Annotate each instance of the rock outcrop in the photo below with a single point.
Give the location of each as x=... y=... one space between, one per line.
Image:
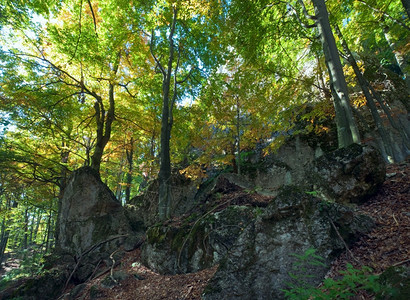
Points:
x=348 y=175
x=195 y=245
x=285 y=167
x=255 y=246
x=92 y=222
x=257 y=265
x=143 y=209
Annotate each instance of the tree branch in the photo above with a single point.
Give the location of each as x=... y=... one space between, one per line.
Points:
x=92 y=13
x=384 y=14
x=151 y=49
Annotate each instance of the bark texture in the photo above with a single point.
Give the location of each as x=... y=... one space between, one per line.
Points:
x=348 y=132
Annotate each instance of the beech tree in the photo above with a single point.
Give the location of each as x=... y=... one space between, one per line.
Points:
x=348 y=132
x=186 y=37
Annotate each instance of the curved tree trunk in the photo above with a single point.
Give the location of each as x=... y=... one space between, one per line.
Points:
x=104 y=120
x=347 y=130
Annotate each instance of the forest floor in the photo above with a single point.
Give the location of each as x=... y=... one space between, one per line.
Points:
x=388 y=244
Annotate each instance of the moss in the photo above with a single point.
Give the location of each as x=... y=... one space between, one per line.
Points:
x=96 y=292
x=212 y=288
x=197 y=239
x=178 y=238
x=156 y=234
x=396 y=283
x=46 y=286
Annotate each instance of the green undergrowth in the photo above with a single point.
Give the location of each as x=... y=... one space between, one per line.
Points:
x=350 y=283
x=30 y=263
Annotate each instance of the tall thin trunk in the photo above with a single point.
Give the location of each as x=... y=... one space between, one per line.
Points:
x=4 y=237
x=165 y=195
x=120 y=180
x=33 y=220
x=238 y=136
x=48 y=232
x=401 y=59
x=403 y=129
x=406 y=5
x=130 y=157
x=38 y=221
x=386 y=141
x=348 y=132
x=3 y=240
x=25 y=230
x=5 y=231
x=61 y=186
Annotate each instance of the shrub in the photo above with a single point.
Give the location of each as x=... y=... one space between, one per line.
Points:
x=352 y=281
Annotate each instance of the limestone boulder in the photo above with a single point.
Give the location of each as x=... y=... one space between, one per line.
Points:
x=195 y=245
x=92 y=222
x=350 y=174
x=143 y=209
x=255 y=246
x=258 y=263
x=284 y=167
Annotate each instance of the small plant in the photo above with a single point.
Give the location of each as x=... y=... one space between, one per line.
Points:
x=353 y=281
x=312 y=193
x=300 y=286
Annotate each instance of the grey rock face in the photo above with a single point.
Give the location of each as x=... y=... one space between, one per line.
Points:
x=90 y=213
x=92 y=222
x=193 y=247
x=347 y=175
x=286 y=167
x=258 y=263
x=255 y=246
x=144 y=208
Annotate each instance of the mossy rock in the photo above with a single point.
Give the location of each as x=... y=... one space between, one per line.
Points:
x=46 y=286
x=396 y=283
x=197 y=244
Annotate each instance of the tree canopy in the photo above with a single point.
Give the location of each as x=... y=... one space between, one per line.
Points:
x=140 y=89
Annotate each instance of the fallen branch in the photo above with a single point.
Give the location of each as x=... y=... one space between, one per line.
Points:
x=401 y=262
x=91 y=248
x=112 y=267
x=395 y=220
x=95 y=270
x=343 y=241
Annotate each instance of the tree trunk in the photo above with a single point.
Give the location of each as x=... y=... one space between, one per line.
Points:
x=387 y=143
x=346 y=125
x=5 y=232
x=25 y=230
x=164 y=177
x=61 y=185
x=4 y=236
x=399 y=57
x=48 y=234
x=120 y=180
x=130 y=156
x=38 y=221
x=104 y=121
x=238 y=136
x=406 y=5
